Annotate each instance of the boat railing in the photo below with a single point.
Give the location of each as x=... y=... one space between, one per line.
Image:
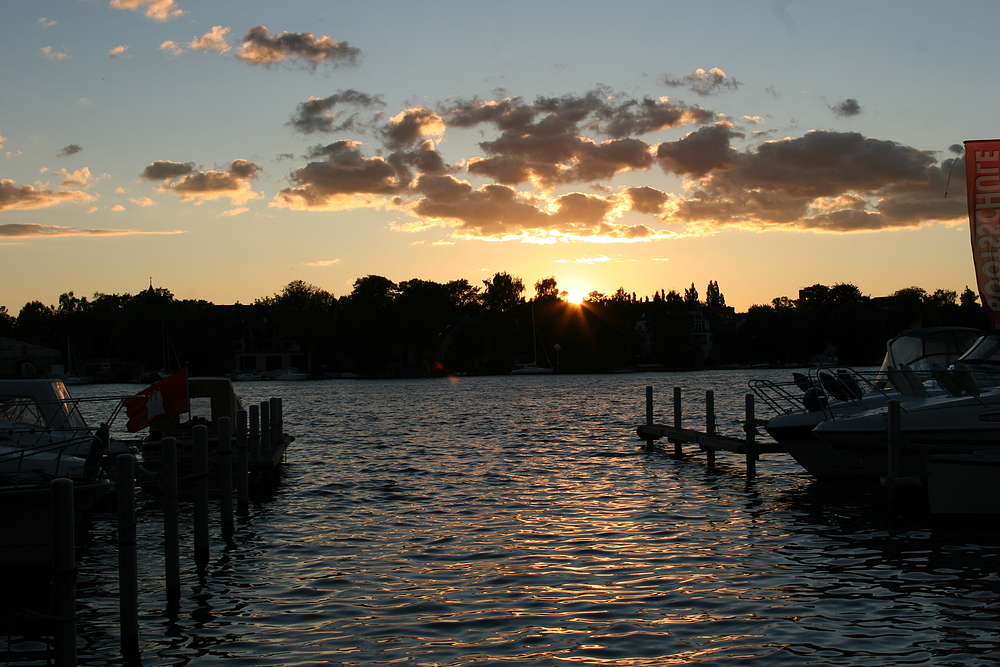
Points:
x=820 y=388
x=32 y=465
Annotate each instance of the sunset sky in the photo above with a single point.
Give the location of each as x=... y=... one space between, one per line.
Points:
x=223 y=149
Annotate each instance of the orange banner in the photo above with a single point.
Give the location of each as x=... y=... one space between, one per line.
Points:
x=982 y=183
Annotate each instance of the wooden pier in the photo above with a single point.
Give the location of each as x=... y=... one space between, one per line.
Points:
x=708 y=440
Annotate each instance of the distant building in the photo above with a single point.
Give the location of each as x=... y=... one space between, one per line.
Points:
x=24 y=360
x=261 y=347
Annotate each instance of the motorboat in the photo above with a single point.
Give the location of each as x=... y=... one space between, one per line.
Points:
x=906 y=374
x=963 y=418
x=964 y=484
x=291 y=374
x=211 y=399
x=41 y=412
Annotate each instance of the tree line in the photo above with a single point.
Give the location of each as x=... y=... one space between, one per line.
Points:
x=419 y=327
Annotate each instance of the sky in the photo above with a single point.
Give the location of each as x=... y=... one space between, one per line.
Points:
x=223 y=149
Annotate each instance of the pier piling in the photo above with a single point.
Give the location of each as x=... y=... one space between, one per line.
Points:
x=171 y=531
x=709 y=441
x=128 y=584
x=64 y=571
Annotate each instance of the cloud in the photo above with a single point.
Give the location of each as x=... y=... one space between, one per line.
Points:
x=699 y=152
x=213 y=40
x=118 y=51
x=26 y=197
x=182 y=179
x=412 y=126
x=262 y=48
x=323 y=262
x=52 y=54
x=847 y=108
x=160 y=10
x=142 y=201
x=171 y=47
x=72 y=149
x=46 y=23
x=829 y=181
x=81 y=178
x=704 y=83
x=164 y=169
x=27 y=230
x=321 y=115
x=344 y=179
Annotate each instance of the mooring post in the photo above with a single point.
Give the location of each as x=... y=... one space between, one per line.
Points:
x=649 y=416
x=128 y=572
x=64 y=571
x=710 y=424
x=242 y=465
x=276 y=422
x=678 y=451
x=895 y=442
x=200 y=500
x=226 y=476
x=171 y=531
x=750 y=429
x=254 y=478
x=265 y=431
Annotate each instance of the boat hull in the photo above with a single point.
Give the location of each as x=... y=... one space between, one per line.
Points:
x=26 y=524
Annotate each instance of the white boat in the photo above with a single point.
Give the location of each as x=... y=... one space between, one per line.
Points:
x=291 y=374
x=964 y=484
x=962 y=419
x=906 y=372
x=533 y=368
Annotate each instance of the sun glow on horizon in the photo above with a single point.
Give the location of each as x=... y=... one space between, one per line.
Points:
x=575 y=296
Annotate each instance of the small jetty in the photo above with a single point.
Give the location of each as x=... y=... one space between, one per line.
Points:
x=708 y=441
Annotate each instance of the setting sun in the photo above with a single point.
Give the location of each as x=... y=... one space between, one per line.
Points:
x=575 y=296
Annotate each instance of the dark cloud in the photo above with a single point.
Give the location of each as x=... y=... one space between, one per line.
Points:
x=320 y=114
x=25 y=197
x=703 y=82
x=262 y=48
x=847 y=108
x=834 y=181
x=700 y=152
x=412 y=126
x=543 y=141
x=646 y=199
x=164 y=169
x=183 y=180
x=72 y=149
x=334 y=182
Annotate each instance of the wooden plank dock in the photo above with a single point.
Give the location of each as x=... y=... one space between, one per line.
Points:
x=708 y=440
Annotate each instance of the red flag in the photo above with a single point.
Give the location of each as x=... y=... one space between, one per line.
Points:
x=982 y=182
x=162 y=399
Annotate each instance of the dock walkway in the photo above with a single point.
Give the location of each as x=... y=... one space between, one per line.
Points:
x=708 y=441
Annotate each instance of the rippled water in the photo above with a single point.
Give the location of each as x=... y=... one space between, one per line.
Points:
x=518 y=520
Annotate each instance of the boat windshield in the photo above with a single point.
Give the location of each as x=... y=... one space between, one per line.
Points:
x=984 y=353
x=919 y=348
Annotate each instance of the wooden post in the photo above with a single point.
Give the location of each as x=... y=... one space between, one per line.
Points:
x=254 y=478
x=242 y=465
x=200 y=501
x=750 y=429
x=265 y=431
x=649 y=416
x=128 y=584
x=710 y=423
x=226 y=476
x=678 y=451
x=276 y=422
x=64 y=570
x=171 y=532
x=895 y=442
